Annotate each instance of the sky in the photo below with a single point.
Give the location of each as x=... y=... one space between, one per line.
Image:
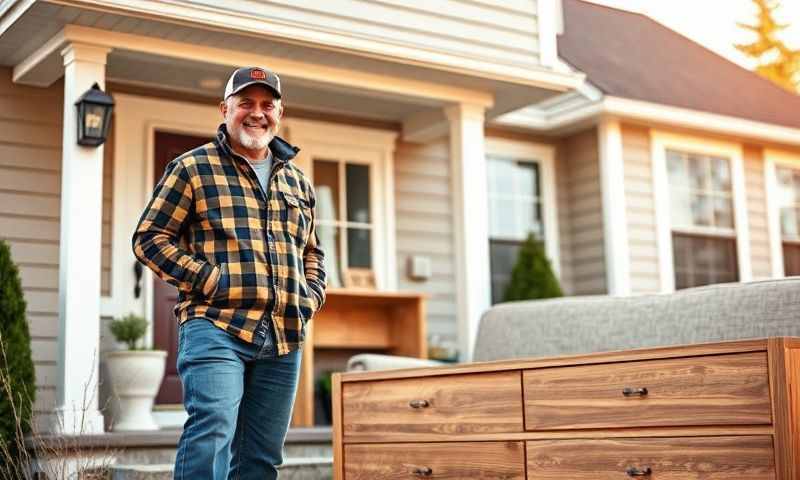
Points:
x=713 y=23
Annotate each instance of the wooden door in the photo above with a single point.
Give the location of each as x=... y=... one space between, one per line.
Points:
x=165 y=327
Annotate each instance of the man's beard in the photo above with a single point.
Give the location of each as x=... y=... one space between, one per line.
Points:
x=246 y=140
x=252 y=143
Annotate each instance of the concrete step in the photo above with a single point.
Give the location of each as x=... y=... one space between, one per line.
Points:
x=308 y=468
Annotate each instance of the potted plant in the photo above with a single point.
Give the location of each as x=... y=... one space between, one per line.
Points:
x=135 y=375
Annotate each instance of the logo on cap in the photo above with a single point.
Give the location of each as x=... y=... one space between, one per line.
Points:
x=258 y=75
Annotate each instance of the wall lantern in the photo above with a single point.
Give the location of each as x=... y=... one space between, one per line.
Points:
x=94 y=116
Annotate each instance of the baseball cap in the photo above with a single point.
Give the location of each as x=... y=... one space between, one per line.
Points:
x=246 y=76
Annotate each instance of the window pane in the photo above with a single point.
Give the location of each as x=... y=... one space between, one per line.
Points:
x=701 y=260
x=791 y=259
x=720 y=174
x=501 y=175
x=502 y=217
x=698 y=172
x=329 y=239
x=681 y=207
x=676 y=166
x=789 y=222
x=357 y=193
x=503 y=256
x=326 y=184
x=531 y=219
x=723 y=212
x=359 y=253
x=528 y=177
x=702 y=213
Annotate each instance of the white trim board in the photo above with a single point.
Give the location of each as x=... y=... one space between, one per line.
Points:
x=33 y=70
x=772 y=160
x=660 y=141
x=544 y=155
x=561 y=115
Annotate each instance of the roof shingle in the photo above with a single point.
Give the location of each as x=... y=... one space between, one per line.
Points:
x=629 y=55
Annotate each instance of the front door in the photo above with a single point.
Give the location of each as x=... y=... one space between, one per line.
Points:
x=165 y=327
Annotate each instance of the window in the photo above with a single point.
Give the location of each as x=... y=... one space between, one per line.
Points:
x=344 y=223
x=702 y=219
x=515 y=210
x=788 y=199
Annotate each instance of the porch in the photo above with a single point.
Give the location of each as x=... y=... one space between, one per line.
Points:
x=307 y=453
x=414 y=125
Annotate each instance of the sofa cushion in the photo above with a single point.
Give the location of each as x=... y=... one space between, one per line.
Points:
x=574 y=325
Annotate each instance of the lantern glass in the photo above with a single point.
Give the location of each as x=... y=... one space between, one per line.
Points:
x=94 y=115
x=93 y=120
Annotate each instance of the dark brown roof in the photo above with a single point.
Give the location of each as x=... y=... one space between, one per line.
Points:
x=629 y=55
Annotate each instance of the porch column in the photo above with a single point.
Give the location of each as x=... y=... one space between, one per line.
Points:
x=471 y=220
x=79 y=252
x=615 y=223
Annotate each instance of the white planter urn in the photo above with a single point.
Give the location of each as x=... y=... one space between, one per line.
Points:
x=135 y=379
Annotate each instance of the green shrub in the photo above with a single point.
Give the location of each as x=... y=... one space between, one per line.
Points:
x=129 y=329
x=532 y=276
x=16 y=364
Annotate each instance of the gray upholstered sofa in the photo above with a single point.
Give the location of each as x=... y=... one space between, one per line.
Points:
x=574 y=325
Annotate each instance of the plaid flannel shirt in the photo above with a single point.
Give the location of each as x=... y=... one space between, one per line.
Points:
x=235 y=252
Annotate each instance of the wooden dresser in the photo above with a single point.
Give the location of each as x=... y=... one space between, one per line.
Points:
x=722 y=411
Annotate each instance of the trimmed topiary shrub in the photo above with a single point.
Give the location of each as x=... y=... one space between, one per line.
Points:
x=16 y=366
x=532 y=276
x=129 y=330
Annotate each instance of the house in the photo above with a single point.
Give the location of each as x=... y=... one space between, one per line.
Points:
x=645 y=162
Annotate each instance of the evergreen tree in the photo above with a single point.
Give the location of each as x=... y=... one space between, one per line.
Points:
x=776 y=61
x=532 y=276
x=16 y=366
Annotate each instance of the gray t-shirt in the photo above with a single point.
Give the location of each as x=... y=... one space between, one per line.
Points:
x=262 y=170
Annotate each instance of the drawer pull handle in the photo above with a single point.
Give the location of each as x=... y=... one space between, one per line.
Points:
x=639 y=472
x=422 y=471
x=634 y=392
x=418 y=404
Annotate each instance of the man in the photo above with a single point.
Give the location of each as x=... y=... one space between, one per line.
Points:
x=231 y=224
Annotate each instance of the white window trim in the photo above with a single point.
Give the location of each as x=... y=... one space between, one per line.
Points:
x=365 y=146
x=772 y=160
x=544 y=155
x=660 y=142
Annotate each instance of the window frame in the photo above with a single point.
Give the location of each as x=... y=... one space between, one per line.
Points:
x=542 y=155
x=661 y=142
x=364 y=146
x=773 y=159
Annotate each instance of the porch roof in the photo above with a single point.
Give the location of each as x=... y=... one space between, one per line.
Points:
x=196 y=57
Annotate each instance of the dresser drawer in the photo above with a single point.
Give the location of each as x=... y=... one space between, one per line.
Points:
x=694 y=391
x=691 y=458
x=456 y=460
x=432 y=408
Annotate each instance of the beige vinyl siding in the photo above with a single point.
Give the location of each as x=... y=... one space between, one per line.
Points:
x=564 y=215
x=30 y=185
x=582 y=229
x=760 y=258
x=30 y=206
x=425 y=227
x=640 y=209
x=505 y=31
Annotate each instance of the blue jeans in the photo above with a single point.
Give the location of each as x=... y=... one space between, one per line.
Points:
x=239 y=398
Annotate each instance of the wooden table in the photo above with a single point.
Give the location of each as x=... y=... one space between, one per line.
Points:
x=389 y=322
x=721 y=411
